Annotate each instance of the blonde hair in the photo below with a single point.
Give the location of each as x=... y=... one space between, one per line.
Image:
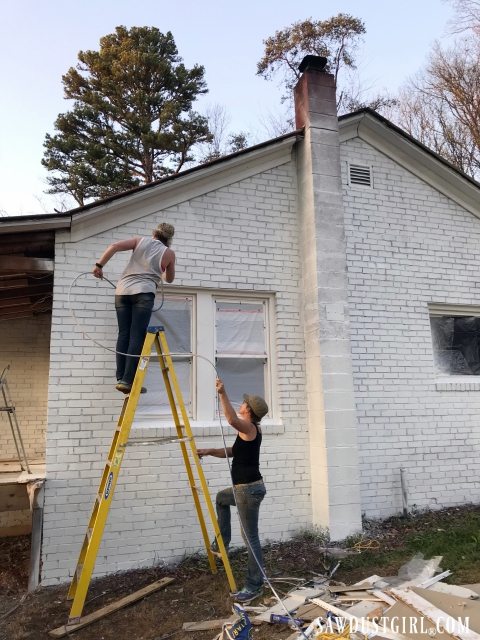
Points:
x=164 y=232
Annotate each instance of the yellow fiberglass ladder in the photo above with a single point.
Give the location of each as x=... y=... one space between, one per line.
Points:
x=88 y=554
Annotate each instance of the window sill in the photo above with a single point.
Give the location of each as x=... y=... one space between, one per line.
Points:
x=458 y=383
x=149 y=427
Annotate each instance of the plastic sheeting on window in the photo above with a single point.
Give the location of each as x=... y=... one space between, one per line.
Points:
x=456 y=344
x=176 y=316
x=155 y=401
x=240 y=328
x=242 y=375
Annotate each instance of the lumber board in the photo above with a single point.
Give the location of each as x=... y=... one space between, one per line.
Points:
x=207 y=625
x=433 y=613
x=351 y=588
x=454 y=590
x=368 y=626
x=367 y=597
x=293 y=600
x=65 y=629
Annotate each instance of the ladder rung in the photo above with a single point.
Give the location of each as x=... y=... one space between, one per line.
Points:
x=9 y=409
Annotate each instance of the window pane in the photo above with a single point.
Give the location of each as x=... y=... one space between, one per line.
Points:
x=240 y=328
x=176 y=316
x=242 y=375
x=155 y=401
x=456 y=344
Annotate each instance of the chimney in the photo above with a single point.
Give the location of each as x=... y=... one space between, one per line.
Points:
x=334 y=460
x=315 y=93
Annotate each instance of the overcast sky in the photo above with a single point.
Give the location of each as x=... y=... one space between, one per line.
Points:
x=40 y=41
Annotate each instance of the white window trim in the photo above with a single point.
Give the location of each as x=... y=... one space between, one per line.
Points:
x=203 y=373
x=452 y=382
x=268 y=344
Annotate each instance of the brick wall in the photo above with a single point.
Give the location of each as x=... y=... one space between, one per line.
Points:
x=242 y=237
x=24 y=345
x=408 y=245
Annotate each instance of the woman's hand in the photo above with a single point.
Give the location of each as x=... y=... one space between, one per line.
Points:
x=97 y=272
x=203 y=452
x=219 y=386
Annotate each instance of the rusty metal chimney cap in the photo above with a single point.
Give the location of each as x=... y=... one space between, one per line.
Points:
x=317 y=63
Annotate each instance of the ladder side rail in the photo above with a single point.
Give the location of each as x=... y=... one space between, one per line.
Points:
x=165 y=369
x=198 y=465
x=14 y=426
x=88 y=554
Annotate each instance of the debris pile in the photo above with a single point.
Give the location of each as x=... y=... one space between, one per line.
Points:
x=416 y=603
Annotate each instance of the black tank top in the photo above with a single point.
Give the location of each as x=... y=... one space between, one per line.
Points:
x=246 y=459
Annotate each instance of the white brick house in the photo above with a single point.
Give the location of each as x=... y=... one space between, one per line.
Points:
x=342 y=239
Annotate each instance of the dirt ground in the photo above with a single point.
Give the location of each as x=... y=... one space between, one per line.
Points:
x=197 y=595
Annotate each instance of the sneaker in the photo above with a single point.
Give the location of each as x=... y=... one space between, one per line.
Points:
x=247 y=595
x=124 y=387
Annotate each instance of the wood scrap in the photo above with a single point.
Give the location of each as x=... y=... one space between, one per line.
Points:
x=293 y=600
x=309 y=612
x=349 y=588
x=454 y=590
x=411 y=623
x=438 y=616
x=65 y=629
x=207 y=625
x=367 y=597
x=364 y=624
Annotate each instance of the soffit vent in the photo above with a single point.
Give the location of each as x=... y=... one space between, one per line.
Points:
x=359 y=174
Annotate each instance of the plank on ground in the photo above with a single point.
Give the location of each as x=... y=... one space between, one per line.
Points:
x=65 y=629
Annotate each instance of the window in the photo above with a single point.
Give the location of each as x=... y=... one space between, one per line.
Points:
x=456 y=339
x=208 y=330
x=241 y=347
x=176 y=316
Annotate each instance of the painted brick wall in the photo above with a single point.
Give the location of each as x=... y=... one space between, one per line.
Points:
x=241 y=237
x=24 y=345
x=408 y=245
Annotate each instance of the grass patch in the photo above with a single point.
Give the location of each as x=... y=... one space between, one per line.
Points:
x=451 y=533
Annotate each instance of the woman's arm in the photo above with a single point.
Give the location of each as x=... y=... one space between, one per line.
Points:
x=216 y=453
x=244 y=426
x=168 y=265
x=121 y=245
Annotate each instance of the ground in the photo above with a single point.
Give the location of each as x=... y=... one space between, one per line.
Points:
x=196 y=595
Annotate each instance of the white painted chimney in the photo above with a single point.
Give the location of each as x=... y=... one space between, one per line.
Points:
x=331 y=403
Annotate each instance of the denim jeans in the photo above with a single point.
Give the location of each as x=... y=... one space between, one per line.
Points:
x=133 y=317
x=247 y=498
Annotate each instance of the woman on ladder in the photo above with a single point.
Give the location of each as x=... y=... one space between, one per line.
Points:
x=151 y=259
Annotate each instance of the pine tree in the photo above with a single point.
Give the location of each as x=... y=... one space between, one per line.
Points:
x=132 y=120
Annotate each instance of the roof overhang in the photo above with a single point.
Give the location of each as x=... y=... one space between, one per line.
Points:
x=182 y=188
x=413 y=156
x=34 y=223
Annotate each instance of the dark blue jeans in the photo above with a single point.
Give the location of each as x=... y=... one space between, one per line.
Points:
x=247 y=498
x=133 y=317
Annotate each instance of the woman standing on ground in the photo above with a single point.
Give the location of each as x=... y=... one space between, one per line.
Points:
x=135 y=294
x=248 y=489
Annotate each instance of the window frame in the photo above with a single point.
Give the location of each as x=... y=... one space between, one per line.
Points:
x=439 y=310
x=252 y=299
x=203 y=342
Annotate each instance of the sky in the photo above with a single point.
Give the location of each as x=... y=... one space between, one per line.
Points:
x=39 y=42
